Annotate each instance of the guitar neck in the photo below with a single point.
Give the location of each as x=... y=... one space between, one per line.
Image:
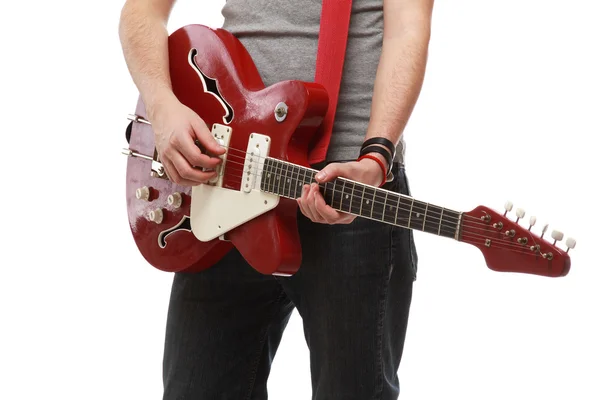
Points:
x=286 y=180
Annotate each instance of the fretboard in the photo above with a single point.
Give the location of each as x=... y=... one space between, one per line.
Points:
x=286 y=180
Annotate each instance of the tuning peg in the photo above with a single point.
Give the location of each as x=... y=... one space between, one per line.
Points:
x=520 y=214
x=507 y=206
x=557 y=236
x=544 y=229
x=532 y=220
x=570 y=242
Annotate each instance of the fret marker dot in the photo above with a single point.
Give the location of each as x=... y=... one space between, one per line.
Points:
x=347 y=196
x=268 y=175
x=418 y=215
x=288 y=181
x=367 y=201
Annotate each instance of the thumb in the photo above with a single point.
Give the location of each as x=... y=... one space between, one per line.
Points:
x=330 y=172
x=206 y=138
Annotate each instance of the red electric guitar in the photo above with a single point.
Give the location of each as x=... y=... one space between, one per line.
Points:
x=251 y=204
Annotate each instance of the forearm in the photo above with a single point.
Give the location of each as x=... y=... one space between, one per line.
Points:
x=144 y=39
x=398 y=82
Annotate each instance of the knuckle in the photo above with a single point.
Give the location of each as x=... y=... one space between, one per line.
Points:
x=173 y=140
x=186 y=173
x=197 y=160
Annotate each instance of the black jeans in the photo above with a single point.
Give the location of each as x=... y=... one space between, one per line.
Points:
x=353 y=292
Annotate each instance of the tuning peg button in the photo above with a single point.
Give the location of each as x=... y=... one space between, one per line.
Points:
x=532 y=221
x=520 y=213
x=544 y=229
x=508 y=206
x=557 y=236
x=570 y=242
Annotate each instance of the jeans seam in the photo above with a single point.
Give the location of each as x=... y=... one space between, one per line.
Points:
x=261 y=345
x=381 y=316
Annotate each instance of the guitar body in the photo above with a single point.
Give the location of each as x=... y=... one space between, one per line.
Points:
x=214 y=75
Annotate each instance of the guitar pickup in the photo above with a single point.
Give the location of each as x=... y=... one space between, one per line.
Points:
x=256 y=153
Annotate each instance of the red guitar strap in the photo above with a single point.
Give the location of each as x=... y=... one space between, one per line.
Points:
x=333 y=36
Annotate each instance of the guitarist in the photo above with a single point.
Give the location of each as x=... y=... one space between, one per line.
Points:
x=354 y=288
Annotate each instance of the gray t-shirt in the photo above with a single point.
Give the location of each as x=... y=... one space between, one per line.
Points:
x=282 y=38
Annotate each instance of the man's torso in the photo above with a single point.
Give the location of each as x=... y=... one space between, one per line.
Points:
x=282 y=38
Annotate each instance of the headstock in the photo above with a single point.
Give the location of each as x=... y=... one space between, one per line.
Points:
x=510 y=247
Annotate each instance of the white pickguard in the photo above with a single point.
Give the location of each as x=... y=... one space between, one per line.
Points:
x=216 y=210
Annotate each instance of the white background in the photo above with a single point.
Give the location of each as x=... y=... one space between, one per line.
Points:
x=509 y=110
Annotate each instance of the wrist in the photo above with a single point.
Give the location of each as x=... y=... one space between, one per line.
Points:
x=382 y=148
x=160 y=99
x=376 y=168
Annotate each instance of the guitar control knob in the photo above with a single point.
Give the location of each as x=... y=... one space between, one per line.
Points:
x=174 y=200
x=156 y=216
x=557 y=236
x=142 y=193
x=570 y=242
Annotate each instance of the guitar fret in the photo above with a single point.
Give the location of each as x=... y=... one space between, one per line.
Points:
x=384 y=205
x=278 y=178
x=362 y=199
x=295 y=174
x=373 y=205
x=288 y=180
x=270 y=175
x=412 y=204
x=397 y=208
x=352 y=196
x=441 y=218
x=425 y=215
x=342 y=195
x=295 y=180
x=333 y=192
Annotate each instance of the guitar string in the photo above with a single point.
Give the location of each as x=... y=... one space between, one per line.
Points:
x=245 y=153
x=433 y=212
x=431 y=216
x=468 y=230
x=378 y=197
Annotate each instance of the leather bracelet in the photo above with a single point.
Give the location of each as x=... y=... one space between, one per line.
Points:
x=380 y=165
x=383 y=152
x=382 y=141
